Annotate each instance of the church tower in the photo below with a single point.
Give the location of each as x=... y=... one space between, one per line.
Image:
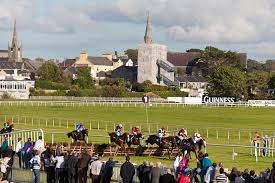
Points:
x=15 y=49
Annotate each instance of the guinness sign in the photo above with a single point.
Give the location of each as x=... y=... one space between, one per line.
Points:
x=213 y=100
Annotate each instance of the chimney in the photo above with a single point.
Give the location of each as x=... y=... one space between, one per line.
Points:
x=83 y=56
x=109 y=56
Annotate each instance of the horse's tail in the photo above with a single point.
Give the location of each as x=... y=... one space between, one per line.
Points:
x=204 y=143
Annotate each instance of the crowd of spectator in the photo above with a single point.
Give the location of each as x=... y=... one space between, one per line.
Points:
x=71 y=167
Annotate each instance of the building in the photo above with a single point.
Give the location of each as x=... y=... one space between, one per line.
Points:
x=99 y=65
x=17 y=89
x=152 y=61
x=184 y=62
x=128 y=73
x=14 y=52
x=193 y=85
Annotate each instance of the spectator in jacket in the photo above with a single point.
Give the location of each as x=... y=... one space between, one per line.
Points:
x=96 y=169
x=39 y=145
x=140 y=170
x=25 y=153
x=272 y=173
x=233 y=174
x=177 y=163
x=222 y=178
x=156 y=173
x=18 y=150
x=185 y=176
x=108 y=170
x=146 y=173
x=49 y=164
x=8 y=162
x=71 y=168
x=205 y=164
x=251 y=178
x=167 y=177
x=83 y=163
x=36 y=165
x=210 y=173
x=127 y=171
x=59 y=168
x=5 y=146
x=239 y=178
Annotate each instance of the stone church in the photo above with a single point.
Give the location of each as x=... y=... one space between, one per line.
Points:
x=14 y=52
x=152 y=61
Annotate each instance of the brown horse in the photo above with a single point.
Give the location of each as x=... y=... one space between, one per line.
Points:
x=78 y=136
x=134 y=140
x=121 y=140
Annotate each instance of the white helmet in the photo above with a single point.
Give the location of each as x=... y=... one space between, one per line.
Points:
x=120 y=125
x=198 y=135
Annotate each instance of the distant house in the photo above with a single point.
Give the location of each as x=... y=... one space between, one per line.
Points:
x=67 y=63
x=194 y=85
x=125 y=72
x=97 y=64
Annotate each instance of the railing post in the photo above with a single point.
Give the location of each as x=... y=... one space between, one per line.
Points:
x=52 y=138
x=217 y=134
x=206 y=132
x=233 y=154
x=239 y=135
x=97 y=125
x=67 y=123
x=228 y=134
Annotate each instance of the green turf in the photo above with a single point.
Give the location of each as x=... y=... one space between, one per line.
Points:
x=56 y=118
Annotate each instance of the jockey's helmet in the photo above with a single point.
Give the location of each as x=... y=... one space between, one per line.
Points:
x=198 y=135
x=120 y=125
x=137 y=126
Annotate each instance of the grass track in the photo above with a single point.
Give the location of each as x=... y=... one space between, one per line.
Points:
x=202 y=117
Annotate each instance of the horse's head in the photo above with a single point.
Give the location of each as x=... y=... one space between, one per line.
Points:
x=69 y=134
x=139 y=136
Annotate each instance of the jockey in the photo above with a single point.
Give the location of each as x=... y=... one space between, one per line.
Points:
x=161 y=133
x=135 y=131
x=196 y=137
x=79 y=127
x=118 y=130
x=182 y=134
x=7 y=124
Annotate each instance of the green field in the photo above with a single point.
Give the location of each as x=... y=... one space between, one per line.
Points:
x=217 y=122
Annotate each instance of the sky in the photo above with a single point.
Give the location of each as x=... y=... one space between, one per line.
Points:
x=63 y=28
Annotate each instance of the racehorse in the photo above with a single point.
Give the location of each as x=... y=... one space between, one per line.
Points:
x=134 y=139
x=153 y=139
x=166 y=142
x=8 y=130
x=121 y=140
x=78 y=135
x=188 y=145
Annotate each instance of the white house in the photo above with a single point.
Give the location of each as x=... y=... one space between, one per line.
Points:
x=16 y=89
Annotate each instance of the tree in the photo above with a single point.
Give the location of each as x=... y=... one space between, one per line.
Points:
x=84 y=79
x=50 y=72
x=132 y=54
x=227 y=81
x=213 y=57
x=257 y=84
x=195 y=50
x=271 y=82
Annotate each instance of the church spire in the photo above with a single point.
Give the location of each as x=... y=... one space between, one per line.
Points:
x=148 y=37
x=14 y=37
